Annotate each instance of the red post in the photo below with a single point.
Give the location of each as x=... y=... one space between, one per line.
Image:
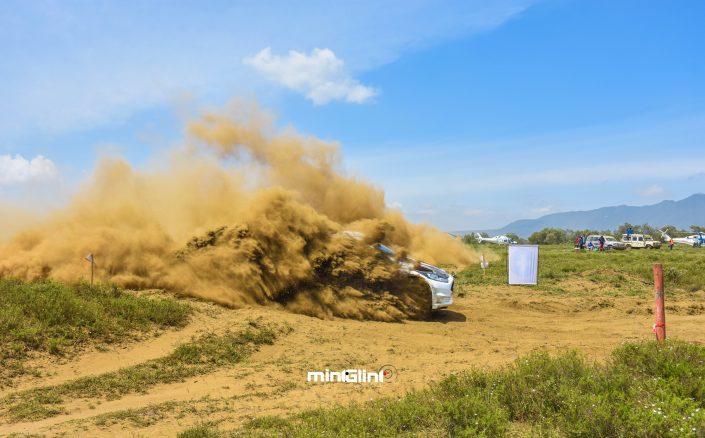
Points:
x=659 y=311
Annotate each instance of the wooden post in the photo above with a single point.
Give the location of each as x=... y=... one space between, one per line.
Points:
x=91 y=259
x=659 y=311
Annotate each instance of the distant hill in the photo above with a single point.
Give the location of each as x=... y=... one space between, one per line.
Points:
x=683 y=214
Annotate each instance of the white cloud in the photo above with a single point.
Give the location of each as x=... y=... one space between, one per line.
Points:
x=320 y=76
x=17 y=169
x=654 y=190
x=111 y=60
x=428 y=211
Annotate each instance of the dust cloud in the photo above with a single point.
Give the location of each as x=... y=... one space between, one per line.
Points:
x=13 y=219
x=243 y=214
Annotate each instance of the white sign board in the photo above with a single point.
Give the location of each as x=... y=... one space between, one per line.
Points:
x=523 y=264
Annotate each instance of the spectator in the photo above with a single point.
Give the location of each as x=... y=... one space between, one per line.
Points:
x=670 y=245
x=577 y=243
x=602 y=243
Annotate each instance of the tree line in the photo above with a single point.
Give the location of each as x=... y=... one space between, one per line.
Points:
x=555 y=236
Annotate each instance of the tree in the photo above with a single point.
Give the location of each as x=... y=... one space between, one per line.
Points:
x=550 y=236
x=622 y=229
x=652 y=231
x=516 y=238
x=469 y=239
x=589 y=232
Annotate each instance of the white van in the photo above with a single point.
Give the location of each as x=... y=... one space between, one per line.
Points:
x=610 y=242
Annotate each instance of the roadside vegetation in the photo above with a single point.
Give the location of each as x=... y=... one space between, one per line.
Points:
x=57 y=319
x=199 y=357
x=644 y=389
x=557 y=236
x=623 y=272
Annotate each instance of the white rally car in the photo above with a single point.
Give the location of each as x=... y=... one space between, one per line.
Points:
x=439 y=281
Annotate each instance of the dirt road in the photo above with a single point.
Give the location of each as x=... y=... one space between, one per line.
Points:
x=486 y=328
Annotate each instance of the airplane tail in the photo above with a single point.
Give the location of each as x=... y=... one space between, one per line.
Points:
x=478 y=237
x=665 y=236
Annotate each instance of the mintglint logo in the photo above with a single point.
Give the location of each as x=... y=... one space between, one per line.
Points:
x=386 y=373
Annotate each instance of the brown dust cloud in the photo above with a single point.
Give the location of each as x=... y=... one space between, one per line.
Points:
x=243 y=214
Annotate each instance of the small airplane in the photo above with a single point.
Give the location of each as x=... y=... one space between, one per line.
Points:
x=498 y=240
x=694 y=240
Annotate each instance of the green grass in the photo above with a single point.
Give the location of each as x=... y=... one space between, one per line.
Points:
x=55 y=318
x=201 y=431
x=644 y=389
x=195 y=358
x=624 y=272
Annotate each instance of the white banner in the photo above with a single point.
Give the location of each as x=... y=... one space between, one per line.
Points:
x=523 y=264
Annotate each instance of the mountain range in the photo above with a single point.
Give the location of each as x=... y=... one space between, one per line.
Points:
x=682 y=214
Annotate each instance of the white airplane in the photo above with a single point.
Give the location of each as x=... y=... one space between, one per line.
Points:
x=694 y=240
x=498 y=240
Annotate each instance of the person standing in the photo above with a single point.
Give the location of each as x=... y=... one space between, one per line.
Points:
x=577 y=243
x=602 y=243
x=670 y=245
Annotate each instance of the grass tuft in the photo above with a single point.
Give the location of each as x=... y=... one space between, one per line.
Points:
x=200 y=431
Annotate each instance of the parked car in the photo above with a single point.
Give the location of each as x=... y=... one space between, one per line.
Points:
x=613 y=243
x=610 y=242
x=640 y=241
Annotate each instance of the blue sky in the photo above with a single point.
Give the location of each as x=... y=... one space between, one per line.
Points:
x=468 y=114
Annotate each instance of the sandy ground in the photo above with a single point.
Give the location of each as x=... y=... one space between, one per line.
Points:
x=487 y=328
